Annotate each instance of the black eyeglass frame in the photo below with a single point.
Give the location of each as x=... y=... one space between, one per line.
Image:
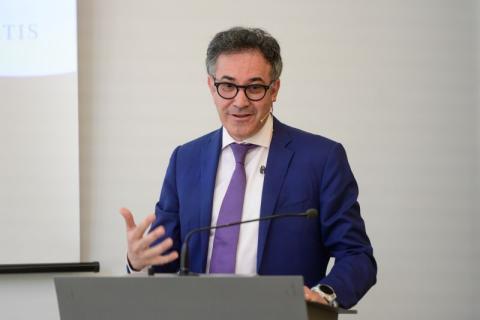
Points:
x=244 y=87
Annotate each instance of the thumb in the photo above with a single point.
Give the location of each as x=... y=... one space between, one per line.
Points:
x=128 y=217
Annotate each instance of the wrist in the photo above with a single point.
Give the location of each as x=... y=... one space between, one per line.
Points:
x=327 y=293
x=132 y=266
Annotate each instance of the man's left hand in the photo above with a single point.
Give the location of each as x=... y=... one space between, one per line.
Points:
x=313 y=296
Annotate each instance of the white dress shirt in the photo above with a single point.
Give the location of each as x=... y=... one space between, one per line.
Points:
x=256 y=158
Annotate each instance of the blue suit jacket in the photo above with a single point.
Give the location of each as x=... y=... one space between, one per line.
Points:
x=303 y=171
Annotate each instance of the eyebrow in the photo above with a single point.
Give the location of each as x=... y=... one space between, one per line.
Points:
x=249 y=80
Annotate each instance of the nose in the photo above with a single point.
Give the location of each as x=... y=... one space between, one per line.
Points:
x=241 y=100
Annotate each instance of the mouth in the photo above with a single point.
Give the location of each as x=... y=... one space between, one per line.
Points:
x=241 y=116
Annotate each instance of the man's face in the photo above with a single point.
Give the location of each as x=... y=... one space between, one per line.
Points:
x=240 y=116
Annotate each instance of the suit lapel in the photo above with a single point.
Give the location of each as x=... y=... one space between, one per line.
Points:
x=208 y=172
x=279 y=158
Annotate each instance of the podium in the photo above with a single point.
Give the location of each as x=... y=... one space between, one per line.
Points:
x=191 y=297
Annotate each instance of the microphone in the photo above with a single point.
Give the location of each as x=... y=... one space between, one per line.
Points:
x=266 y=116
x=184 y=256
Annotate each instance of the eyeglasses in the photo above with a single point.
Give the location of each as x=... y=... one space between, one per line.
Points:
x=254 y=92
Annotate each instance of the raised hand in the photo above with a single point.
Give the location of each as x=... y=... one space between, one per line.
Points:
x=139 y=252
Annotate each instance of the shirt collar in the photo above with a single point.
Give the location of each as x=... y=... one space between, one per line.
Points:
x=262 y=138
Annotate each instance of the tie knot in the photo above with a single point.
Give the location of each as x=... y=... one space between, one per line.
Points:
x=240 y=151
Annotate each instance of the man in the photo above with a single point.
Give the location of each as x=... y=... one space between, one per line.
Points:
x=252 y=167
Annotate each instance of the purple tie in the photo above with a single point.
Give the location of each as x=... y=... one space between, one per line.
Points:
x=224 y=251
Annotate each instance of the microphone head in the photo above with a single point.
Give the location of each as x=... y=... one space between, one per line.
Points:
x=265 y=118
x=312 y=213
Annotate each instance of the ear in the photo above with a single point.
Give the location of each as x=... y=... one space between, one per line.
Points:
x=211 y=84
x=274 y=90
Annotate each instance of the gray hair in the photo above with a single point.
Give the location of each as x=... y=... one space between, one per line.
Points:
x=239 y=39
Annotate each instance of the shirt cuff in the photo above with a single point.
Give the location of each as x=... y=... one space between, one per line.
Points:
x=131 y=270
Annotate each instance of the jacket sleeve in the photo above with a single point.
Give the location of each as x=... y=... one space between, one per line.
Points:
x=167 y=214
x=343 y=231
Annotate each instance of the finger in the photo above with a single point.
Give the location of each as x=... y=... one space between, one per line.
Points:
x=158 y=249
x=140 y=229
x=153 y=236
x=128 y=217
x=161 y=260
x=140 y=245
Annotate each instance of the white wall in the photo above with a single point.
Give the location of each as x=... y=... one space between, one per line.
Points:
x=392 y=80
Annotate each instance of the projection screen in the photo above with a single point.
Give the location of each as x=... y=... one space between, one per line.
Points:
x=39 y=165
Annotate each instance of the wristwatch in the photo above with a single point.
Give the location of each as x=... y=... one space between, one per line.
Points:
x=326 y=292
